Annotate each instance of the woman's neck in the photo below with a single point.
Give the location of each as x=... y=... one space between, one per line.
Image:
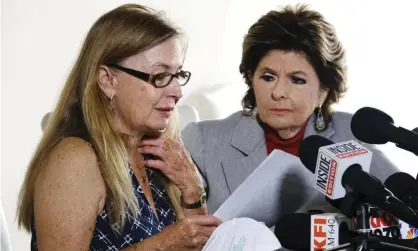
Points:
x=133 y=136
x=133 y=142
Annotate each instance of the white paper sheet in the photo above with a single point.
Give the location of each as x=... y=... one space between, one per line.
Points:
x=280 y=184
x=242 y=234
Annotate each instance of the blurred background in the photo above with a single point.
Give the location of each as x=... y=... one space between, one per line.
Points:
x=41 y=39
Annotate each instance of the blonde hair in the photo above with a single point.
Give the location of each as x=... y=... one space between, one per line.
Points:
x=83 y=109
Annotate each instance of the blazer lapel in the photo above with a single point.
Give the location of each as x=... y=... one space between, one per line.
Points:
x=248 y=138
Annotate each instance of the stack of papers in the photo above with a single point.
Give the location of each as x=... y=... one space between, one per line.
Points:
x=281 y=184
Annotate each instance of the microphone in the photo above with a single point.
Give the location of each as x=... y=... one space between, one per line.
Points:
x=405 y=187
x=338 y=170
x=373 y=126
x=302 y=232
x=337 y=167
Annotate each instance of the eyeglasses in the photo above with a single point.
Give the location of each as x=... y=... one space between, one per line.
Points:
x=159 y=80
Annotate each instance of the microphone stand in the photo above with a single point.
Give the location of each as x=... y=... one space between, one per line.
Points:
x=352 y=207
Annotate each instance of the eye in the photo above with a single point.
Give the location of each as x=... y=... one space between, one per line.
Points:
x=161 y=76
x=267 y=77
x=297 y=80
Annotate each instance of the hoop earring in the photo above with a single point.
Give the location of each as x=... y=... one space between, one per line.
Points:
x=320 y=122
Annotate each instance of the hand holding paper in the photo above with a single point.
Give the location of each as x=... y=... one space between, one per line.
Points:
x=243 y=234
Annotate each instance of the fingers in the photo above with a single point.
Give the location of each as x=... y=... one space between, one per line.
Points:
x=156 y=164
x=210 y=220
x=207 y=231
x=206 y=220
x=154 y=150
x=199 y=241
x=161 y=143
x=199 y=235
x=196 y=230
x=151 y=142
x=202 y=236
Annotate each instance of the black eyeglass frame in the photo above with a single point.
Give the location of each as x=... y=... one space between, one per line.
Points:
x=151 y=78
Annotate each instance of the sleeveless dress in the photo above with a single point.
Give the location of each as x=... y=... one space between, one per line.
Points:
x=105 y=238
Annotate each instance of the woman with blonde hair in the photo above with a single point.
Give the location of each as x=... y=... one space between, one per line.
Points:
x=110 y=172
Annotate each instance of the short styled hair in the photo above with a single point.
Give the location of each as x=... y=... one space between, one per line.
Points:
x=297 y=29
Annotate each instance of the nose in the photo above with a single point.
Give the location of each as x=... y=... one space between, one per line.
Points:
x=280 y=89
x=174 y=90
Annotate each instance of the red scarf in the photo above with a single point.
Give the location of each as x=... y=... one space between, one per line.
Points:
x=273 y=141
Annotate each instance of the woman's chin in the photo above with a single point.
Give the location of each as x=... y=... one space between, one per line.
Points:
x=279 y=124
x=157 y=129
x=151 y=133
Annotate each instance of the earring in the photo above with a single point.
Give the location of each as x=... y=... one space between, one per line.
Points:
x=320 y=122
x=111 y=104
x=254 y=113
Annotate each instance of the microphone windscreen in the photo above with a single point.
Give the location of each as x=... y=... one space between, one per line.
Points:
x=309 y=148
x=294 y=231
x=371 y=125
x=401 y=184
